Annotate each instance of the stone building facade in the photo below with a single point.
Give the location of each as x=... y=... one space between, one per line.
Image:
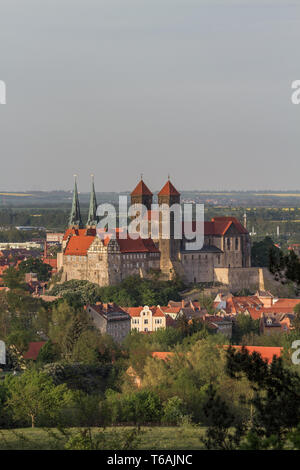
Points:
x=108 y=260
x=147 y=319
x=110 y=319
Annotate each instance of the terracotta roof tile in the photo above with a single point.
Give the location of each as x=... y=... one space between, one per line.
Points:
x=33 y=350
x=168 y=190
x=141 y=189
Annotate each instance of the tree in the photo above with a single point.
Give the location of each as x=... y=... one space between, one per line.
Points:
x=243 y=325
x=33 y=396
x=260 y=253
x=276 y=394
x=36 y=265
x=296 y=320
x=13 y=278
x=224 y=430
x=207 y=303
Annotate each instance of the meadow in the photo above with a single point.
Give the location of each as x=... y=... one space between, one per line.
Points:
x=185 y=437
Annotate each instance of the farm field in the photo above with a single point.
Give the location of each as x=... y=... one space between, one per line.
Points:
x=152 y=438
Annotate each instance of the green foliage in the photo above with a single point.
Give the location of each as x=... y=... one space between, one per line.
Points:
x=140 y=407
x=276 y=394
x=207 y=303
x=89 y=378
x=13 y=278
x=33 y=396
x=47 y=354
x=77 y=293
x=243 y=325
x=86 y=439
x=224 y=431
x=260 y=253
x=35 y=265
x=173 y=411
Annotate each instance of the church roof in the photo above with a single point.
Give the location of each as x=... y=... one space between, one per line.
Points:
x=141 y=190
x=168 y=190
x=219 y=226
x=78 y=245
x=75 y=216
x=92 y=216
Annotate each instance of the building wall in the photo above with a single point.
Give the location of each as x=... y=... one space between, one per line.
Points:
x=118 y=329
x=147 y=322
x=239 y=278
x=106 y=265
x=199 y=267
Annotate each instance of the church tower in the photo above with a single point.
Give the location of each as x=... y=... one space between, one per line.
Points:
x=75 y=220
x=169 y=248
x=92 y=216
x=142 y=195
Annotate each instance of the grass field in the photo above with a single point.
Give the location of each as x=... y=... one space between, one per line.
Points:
x=153 y=438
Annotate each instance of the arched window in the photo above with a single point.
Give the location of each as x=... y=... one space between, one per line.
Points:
x=228 y=243
x=236 y=243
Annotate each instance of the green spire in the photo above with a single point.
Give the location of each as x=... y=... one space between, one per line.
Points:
x=92 y=217
x=75 y=216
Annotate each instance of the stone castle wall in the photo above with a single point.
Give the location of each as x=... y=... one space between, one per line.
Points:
x=240 y=278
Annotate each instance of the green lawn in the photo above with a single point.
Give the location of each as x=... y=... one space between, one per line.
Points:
x=153 y=438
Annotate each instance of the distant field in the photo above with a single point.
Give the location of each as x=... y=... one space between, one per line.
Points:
x=153 y=438
x=278 y=194
x=16 y=194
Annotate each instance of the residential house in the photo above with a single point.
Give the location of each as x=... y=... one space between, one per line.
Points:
x=111 y=319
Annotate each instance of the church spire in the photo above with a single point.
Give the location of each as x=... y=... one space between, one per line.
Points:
x=75 y=216
x=92 y=217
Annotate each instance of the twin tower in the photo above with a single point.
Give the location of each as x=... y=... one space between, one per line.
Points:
x=169 y=248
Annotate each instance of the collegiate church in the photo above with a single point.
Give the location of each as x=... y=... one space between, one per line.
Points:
x=108 y=261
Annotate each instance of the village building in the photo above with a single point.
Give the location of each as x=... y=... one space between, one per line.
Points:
x=147 y=319
x=110 y=319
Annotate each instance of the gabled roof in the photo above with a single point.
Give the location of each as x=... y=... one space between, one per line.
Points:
x=141 y=189
x=78 y=245
x=168 y=190
x=33 y=350
x=140 y=245
x=136 y=311
x=217 y=226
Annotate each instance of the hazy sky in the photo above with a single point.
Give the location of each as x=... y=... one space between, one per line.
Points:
x=198 y=89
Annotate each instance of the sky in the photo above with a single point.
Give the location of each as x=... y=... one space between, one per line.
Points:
x=197 y=89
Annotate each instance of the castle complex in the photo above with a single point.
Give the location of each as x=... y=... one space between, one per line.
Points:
x=109 y=260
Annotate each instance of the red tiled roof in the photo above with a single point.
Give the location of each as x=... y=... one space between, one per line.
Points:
x=140 y=245
x=51 y=261
x=134 y=311
x=217 y=226
x=286 y=303
x=78 y=232
x=33 y=350
x=141 y=189
x=168 y=190
x=266 y=352
x=162 y=355
x=255 y=314
x=79 y=245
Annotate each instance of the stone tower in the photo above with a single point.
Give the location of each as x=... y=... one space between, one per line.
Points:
x=92 y=217
x=169 y=247
x=75 y=220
